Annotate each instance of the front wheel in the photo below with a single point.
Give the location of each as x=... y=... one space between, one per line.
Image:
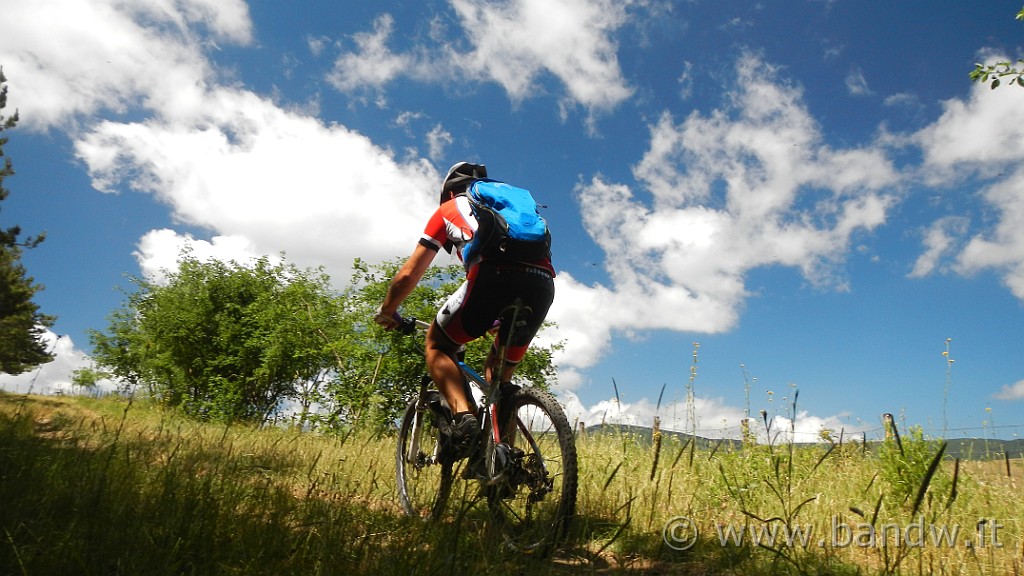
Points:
x=424 y=477
x=535 y=500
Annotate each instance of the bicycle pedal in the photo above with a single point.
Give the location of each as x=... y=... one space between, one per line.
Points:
x=501 y=457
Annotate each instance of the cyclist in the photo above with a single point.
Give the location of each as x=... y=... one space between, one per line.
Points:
x=491 y=285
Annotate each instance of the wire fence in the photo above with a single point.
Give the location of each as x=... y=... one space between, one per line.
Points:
x=1003 y=438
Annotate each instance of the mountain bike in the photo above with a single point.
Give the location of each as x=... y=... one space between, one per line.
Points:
x=523 y=457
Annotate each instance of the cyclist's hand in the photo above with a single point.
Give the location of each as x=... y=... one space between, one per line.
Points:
x=388 y=322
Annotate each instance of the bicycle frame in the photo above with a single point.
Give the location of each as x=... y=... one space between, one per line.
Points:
x=491 y=391
x=523 y=456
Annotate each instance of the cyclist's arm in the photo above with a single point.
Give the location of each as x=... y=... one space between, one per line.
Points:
x=406 y=279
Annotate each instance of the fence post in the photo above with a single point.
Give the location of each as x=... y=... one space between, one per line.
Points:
x=891 y=433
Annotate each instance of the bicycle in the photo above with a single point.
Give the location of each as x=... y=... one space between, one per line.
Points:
x=523 y=456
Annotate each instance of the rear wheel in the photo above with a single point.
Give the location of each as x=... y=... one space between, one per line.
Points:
x=424 y=476
x=535 y=499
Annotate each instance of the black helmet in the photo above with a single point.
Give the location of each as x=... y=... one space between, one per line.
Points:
x=459 y=176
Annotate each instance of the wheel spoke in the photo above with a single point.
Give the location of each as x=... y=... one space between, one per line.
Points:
x=424 y=480
x=534 y=506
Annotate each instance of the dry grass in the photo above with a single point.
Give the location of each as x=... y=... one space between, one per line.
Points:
x=110 y=487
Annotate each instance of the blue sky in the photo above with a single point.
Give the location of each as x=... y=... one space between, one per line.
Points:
x=811 y=190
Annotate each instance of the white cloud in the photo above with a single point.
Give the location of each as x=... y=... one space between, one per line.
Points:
x=515 y=42
x=686 y=81
x=438 y=139
x=905 y=100
x=317 y=44
x=511 y=43
x=72 y=58
x=712 y=418
x=373 y=64
x=979 y=135
x=939 y=240
x=243 y=167
x=804 y=428
x=749 y=185
x=1011 y=392
x=1002 y=248
x=583 y=314
x=857 y=84
x=54 y=376
x=158 y=251
x=982 y=138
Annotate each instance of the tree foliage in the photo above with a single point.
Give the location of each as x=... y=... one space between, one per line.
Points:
x=21 y=323
x=994 y=74
x=230 y=342
x=223 y=341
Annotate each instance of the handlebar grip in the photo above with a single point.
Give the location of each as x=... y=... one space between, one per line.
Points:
x=406 y=326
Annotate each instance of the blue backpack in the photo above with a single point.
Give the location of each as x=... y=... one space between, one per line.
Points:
x=510 y=227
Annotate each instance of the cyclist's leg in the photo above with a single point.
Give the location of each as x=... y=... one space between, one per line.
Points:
x=445 y=337
x=443 y=368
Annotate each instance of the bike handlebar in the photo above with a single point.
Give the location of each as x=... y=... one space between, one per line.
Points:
x=409 y=325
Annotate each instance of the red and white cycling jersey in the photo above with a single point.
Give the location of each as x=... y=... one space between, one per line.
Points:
x=471 y=310
x=453 y=224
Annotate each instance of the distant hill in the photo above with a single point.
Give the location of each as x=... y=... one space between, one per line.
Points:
x=981 y=449
x=962 y=448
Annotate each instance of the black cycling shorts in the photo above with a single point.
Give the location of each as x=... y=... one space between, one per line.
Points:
x=489 y=289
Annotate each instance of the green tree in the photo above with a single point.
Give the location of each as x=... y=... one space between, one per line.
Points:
x=21 y=324
x=228 y=342
x=87 y=377
x=224 y=341
x=994 y=74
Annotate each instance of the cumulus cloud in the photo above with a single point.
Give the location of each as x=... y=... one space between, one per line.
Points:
x=982 y=139
x=939 y=240
x=223 y=158
x=260 y=178
x=286 y=182
x=512 y=44
x=805 y=427
x=980 y=134
x=55 y=376
x=904 y=99
x=158 y=251
x=750 y=184
x=373 y=64
x=1011 y=392
x=857 y=84
x=708 y=418
x=1003 y=248
x=438 y=140
x=74 y=58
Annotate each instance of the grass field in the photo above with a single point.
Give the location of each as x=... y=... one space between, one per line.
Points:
x=118 y=487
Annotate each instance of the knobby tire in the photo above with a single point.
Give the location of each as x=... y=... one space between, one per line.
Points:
x=535 y=517
x=424 y=485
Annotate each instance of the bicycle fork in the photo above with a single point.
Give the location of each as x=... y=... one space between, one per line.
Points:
x=413 y=449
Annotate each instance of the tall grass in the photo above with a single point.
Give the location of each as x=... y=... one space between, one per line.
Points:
x=114 y=487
